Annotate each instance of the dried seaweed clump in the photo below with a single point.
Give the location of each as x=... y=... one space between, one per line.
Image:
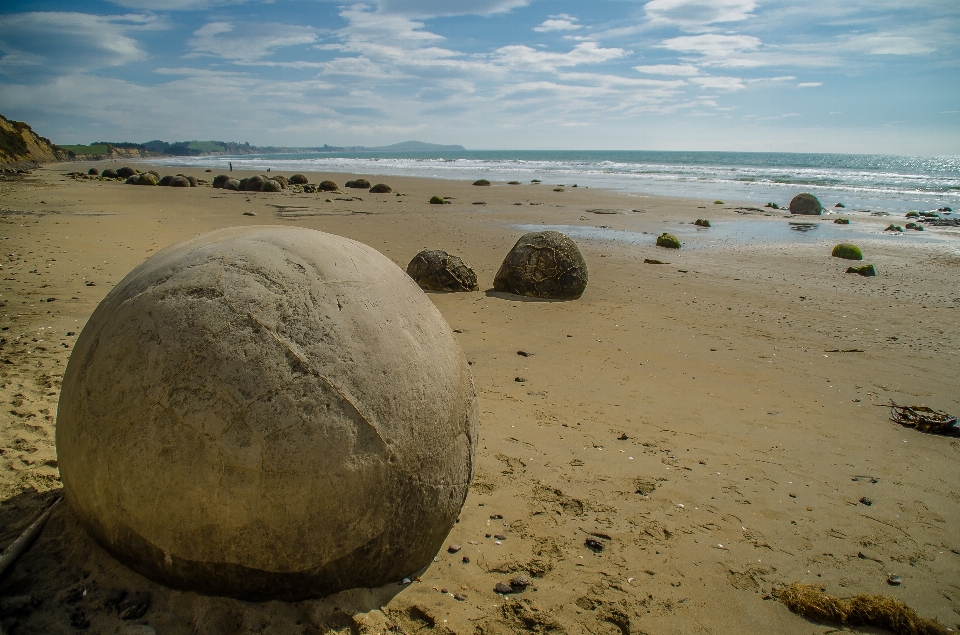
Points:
x=880 y=611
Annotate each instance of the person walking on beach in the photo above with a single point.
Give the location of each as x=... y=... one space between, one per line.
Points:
x=231 y=166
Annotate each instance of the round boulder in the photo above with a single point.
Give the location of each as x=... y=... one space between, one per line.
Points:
x=255 y=183
x=271 y=185
x=358 y=183
x=179 y=181
x=436 y=270
x=437 y=200
x=93 y=172
x=231 y=184
x=381 y=188
x=219 y=180
x=133 y=179
x=147 y=178
x=267 y=413
x=281 y=179
x=165 y=180
x=110 y=173
x=126 y=172
x=481 y=182
x=806 y=204
x=327 y=186
x=668 y=240
x=847 y=252
x=299 y=179
x=543 y=265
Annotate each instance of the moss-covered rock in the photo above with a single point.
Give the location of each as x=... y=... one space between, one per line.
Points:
x=110 y=173
x=702 y=222
x=179 y=181
x=436 y=270
x=847 y=252
x=543 y=265
x=668 y=240
x=271 y=185
x=841 y=221
x=93 y=172
x=481 y=182
x=254 y=183
x=381 y=188
x=299 y=179
x=147 y=178
x=863 y=270
x=913 y=214
x=436 y=200
x=893 y=228
x=219 y=180
x=126 y=172
x=358 y=184
x=806 y=204
x=914 y=226
x=327 y=186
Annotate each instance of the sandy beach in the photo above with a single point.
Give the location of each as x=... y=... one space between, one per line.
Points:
x=712 y=422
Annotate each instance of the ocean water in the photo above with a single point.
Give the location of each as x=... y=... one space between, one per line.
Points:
x=887 y=183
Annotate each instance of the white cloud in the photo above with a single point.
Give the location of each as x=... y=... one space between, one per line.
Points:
x=562 y=22
x=697 y=14
x=890 y=44
x=174 y=5
x=809 y=84
x=781 y=78
x=583 y=53
x=434 y=8
x=712 y=44
x=674 y=70
x=247 y=41
x=728 y=84
x=49 y=42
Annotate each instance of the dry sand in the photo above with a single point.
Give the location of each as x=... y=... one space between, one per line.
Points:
x=690 y=416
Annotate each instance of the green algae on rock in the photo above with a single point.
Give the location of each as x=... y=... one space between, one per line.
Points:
x=847 y=252
x=668 y=240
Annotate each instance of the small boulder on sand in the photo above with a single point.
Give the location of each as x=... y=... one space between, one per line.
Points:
x=806 y=204
x=481 y=182
x=381 y=188
x=668 y=240
x=437 y=200
x=863 y=270
x=299 y=179
x=847 y=252
x=436 y=270
x=358 y=183
x=327 y=186
x=543 y=265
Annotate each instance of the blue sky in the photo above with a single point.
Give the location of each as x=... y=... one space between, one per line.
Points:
x=808 y=76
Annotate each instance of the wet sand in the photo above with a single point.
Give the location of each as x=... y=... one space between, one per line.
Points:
x=700 y=419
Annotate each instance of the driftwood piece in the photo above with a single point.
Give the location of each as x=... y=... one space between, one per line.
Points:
x=21 y=544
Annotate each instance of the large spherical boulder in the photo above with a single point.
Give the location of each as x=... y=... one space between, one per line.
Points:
x=255 y=183
x=847 y=252
x=219 y=180
x=147 y=178
x=543 y=265
x=269 y=412
x=231 y=184
x=93 y=172
x=807 y=204
x=327 y=186
x=125 y=172
x=381 y=188
x=179 y=181
x=436 y=270
x=165 y=180
x=281 y=179
x=358 y=183
x=271 y=185
x=110 y=173
x=299 y=179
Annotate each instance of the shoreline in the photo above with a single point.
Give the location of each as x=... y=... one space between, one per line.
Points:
x=750 y=436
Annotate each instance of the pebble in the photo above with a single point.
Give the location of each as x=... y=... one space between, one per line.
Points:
x=500 y=537
x=519 y=379
x=460 y=597
x=524 y=354
x=249 y=213
x=866 y=501
x=454 y=548
x=894 y=580
x=466 y=560
x=521 y=581
x=593 y=544
x=444 y=591
x=503 y=588
x=497 y=517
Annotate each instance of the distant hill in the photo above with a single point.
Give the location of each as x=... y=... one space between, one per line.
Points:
x=21 y=147
x=418 y=146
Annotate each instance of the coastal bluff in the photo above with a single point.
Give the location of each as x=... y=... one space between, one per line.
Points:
x=21 y=147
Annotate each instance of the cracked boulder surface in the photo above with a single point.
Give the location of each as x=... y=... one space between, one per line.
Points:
x=436 y=270
x=267 y=413
x=543 y=265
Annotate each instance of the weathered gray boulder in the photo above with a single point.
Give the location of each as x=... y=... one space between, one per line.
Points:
x=807 y=204
x=125 y=172
x=271 y=185
x=231 y=184
x=543 y=265
x=436 y=270
x=179 y=181
x=269 y=412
